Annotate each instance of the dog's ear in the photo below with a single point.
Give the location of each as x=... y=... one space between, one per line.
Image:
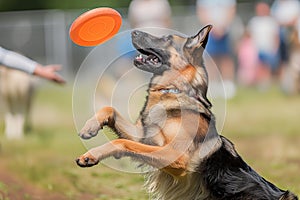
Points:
x=194 y=46
x=200 y=39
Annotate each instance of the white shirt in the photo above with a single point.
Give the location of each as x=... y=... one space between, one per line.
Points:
x=17 y=61
x=285 y=11
x=149 y=13
x=217 y=11
x=265 y=33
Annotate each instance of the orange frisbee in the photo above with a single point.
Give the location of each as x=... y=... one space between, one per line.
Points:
x=95 y=26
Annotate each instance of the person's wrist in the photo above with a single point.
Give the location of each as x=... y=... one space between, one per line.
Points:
x=37 y=70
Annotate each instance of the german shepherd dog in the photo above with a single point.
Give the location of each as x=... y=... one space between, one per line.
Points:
x=176 y=131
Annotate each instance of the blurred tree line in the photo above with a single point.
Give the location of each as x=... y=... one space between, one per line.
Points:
x=13 y=5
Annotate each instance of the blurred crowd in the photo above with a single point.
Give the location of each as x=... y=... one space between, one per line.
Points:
x=257 y=53
x=267 y=49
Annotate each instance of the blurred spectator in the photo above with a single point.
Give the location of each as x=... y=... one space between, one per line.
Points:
x=149 y=13
x=247 y=61
x=20 y=62
x=292 y=73
x=286 y=12
x=220 y=13
x=265 y=33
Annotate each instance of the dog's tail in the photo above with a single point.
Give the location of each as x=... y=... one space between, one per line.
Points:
x=288 y=196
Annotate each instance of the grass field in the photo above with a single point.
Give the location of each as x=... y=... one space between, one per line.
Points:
x=264 y=127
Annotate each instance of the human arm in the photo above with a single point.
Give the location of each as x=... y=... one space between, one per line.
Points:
x=17 y=61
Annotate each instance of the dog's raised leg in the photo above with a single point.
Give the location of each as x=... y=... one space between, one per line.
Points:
x=110 y=117
x=161 y=157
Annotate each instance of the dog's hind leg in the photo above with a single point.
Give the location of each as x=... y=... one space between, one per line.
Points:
x=108 y=116
x=161 y=157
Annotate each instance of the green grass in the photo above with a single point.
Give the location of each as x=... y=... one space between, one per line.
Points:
x=264 y=127
x=253 y=113
x=46 y=156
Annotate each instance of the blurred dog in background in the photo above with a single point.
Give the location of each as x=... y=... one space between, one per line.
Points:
x=291 y=76
x=16 y=92
x=295 y=60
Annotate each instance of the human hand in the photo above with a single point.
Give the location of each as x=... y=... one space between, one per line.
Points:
x=49 y=72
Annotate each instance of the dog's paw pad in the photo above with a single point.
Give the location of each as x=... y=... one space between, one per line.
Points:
x=86 y=161
x=87 y=135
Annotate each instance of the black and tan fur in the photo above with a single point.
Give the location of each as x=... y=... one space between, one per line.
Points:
x=176 y=131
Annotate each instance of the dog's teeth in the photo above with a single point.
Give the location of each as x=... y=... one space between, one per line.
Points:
x=139 y=57
x=154 y=60
x=150 y=59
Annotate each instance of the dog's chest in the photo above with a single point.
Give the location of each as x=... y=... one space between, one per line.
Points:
x=160 y=122
x=160 y=105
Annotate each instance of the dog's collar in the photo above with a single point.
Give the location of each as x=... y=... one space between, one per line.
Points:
x=177 y=91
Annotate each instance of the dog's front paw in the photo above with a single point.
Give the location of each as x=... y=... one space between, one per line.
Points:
x=87 y=160
x=90 y=129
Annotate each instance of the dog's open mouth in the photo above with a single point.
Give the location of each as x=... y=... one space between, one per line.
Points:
x=147 y=58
